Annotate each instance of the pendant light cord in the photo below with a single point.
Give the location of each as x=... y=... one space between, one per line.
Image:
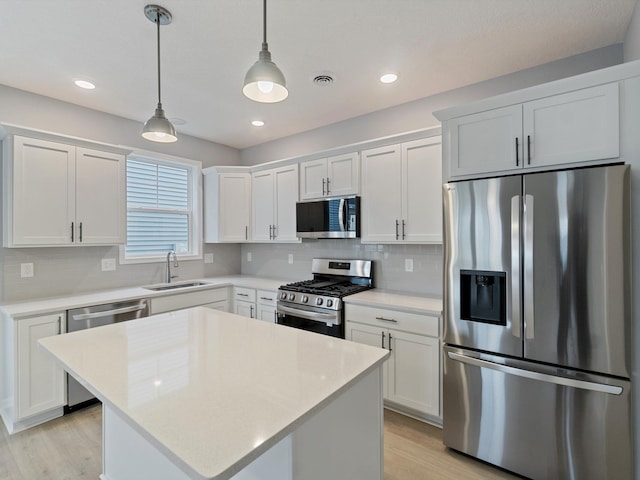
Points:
x=158 y=38
x=264 y=25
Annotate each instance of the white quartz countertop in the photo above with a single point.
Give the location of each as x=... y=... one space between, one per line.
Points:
x=45 y=305
x=407 y=302
x=212 y=390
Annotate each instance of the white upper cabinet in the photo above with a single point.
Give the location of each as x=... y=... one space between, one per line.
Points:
x=227 y=206
x=275 y=193
x=402 y=193
x=57 y=194
x=568 y=128
x=334 y=176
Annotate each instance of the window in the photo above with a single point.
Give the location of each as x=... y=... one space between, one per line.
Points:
x=162 y=209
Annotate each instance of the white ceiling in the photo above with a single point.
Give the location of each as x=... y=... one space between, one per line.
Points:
x=434 y=46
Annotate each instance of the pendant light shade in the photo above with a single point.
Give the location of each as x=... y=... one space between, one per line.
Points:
x=158 y=128
x=264 y=81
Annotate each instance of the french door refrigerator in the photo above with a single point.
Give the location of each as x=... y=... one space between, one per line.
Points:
x=538 y=323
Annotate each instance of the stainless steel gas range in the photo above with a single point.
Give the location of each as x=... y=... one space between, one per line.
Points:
x=316 y=305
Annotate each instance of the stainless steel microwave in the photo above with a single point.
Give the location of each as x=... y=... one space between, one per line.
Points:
x=330 y=218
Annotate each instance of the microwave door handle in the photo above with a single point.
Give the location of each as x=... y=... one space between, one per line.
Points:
x=342 y=216
x=516 y=319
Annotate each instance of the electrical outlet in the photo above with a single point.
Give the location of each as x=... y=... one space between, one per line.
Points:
x=208 y=258
x=26 y=270
x=291 y=259
x=249 y=257
x=408 y=264
x=108 y=264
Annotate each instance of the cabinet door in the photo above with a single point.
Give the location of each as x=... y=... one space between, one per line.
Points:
x=422 y=191
x=343 y=172
x=313 y=179
x=234 y=208
x=246 y=309
x=100 y=197
x=222 y=306
x=40 y=379
x=267 y=313
x=368 y=335
x=286 y=195
x=263 y=205
x=381 y=207
x=486 y=142
x=573 y=127
x=42 y=206
x=414 y=372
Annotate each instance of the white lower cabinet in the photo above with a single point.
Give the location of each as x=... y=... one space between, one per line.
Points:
x=33 y=383
x=260 y=304
x=411 y=375
x=267 y=306
x=217 y=298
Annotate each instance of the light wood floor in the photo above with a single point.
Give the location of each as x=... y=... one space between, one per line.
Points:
x=69 y=448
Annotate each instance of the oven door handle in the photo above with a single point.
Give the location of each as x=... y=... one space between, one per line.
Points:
x=328 y=318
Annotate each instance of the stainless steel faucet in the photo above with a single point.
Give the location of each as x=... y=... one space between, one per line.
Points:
x=175 y=264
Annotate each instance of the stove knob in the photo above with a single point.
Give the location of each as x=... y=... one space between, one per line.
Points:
x=305 y=299
x=329 y=303
x=283 y=295
x=291 y=296
x=319 y=301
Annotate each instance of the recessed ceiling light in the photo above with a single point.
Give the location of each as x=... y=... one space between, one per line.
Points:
x=84 y=84
x=257 y=123
x=388 y=78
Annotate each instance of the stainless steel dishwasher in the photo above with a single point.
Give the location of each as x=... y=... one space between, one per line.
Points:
x=92 y=317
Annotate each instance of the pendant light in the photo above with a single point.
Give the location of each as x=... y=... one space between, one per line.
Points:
x=264 y=81
x=158 y=128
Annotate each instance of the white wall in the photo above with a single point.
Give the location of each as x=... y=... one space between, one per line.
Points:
x=632 y=37
x=63 y=271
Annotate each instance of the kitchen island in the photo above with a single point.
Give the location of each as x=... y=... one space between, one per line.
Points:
x=204 y=394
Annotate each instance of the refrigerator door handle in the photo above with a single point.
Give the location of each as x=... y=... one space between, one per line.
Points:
x=529 y=327
x=542 y=377
x=516 y=320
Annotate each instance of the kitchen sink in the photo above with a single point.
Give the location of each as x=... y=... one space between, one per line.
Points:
x=174 y=286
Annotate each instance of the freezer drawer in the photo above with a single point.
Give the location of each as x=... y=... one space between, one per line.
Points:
x=539 y=421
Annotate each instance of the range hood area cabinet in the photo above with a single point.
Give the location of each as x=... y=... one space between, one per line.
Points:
x=335 y=176
x=566 y=129
x=275 y=193
x=402 y=192
x=59 y=194
x=227 y=204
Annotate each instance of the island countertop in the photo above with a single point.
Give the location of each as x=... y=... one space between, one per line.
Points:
x=209 y=389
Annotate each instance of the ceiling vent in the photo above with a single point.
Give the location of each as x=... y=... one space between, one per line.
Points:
x=323 y=79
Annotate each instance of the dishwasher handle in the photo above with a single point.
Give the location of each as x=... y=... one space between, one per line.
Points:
x=106 y=313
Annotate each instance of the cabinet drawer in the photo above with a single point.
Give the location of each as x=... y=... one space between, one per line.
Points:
x=265 y=297
x=186 y=300
x=384 y=318
x=244 y=294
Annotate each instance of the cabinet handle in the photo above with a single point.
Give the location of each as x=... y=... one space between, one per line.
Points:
x=80 y=232
x=242 y=294
x=246 y=232
x=323 y=182
x=270 y=232
x=392 y=320
x=274 y=232
x=72 y=232
x=275 y=316
x=403 y=229
x=59 y=324
x=251 y=311
x=517 y=154
x=397 y=224
x=390 y=349
x=529 y=149
x=266 y=298
x=383 y=335
x=328 y=192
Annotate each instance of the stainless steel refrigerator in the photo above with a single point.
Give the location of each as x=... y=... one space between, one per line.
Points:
x=537 y=361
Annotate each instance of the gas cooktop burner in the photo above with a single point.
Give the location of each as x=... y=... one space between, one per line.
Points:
x=328 y=288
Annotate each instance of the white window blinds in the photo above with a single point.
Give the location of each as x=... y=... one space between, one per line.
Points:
x=158 y=208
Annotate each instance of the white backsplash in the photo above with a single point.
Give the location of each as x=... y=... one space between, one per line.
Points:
x=272 y=260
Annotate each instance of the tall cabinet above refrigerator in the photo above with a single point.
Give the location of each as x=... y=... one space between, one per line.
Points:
x=538 y=324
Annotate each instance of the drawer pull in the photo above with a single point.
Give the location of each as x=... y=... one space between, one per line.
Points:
x=266 y=298
x=392 y=320
x=242 y=294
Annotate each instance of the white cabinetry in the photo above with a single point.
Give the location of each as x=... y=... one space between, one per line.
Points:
x=334 y=176
x=411 y=375
x=216 y=298
x=574 y=127
x=267 y=310
x=33 y=384
x=57 y=194
x=244 y=301
x=275 y=193
x=402 y=193
x=227 y=205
